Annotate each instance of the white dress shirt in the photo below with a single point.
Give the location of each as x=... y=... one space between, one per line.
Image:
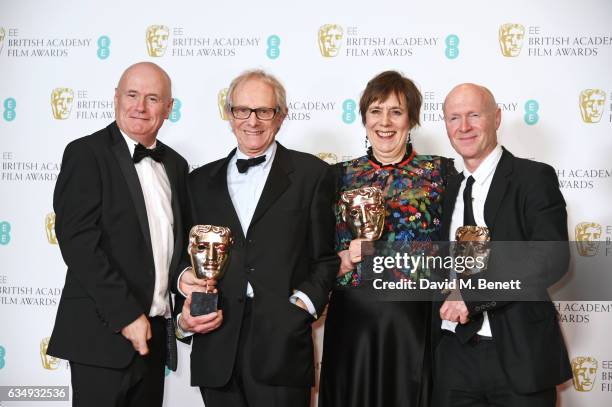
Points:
x=158 y=202
x=482 y=182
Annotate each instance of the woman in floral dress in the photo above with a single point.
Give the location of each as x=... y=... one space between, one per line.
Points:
x=377 y=353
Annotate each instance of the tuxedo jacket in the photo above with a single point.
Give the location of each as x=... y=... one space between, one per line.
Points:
x=103 y=233
x=524 y=203
x=289 y=246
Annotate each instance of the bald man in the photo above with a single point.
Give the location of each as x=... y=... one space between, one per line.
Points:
x=119 y=204
x=501 y=353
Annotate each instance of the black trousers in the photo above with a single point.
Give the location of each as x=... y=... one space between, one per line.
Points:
x=243 y=390
x=470 y=375
x=140 y=384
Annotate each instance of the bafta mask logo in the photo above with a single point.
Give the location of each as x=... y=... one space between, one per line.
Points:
x=48 y=362
x=2 y=35
x=472 y=241
x=221 y=98
x=157 y=40
x=511 y=39
x=209 y=248
x=363 y=210
x=330 y=40
x=585 y=372
x=50 y=228
x=588 y=235
x=592 y=102
x=329 y=158
x=61 y=103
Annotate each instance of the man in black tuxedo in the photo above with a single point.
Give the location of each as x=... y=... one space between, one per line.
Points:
x=118 y=201
x=502 y=353
x=278 y=205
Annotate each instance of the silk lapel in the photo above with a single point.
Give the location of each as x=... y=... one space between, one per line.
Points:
x=450 y=197
x=499 y=185
x=277 y=182
x=218 y=189
x=122 y=154
x=170 y=166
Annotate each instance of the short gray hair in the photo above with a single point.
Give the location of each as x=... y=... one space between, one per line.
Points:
x=279 y=91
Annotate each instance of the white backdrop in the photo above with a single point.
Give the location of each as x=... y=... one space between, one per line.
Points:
x=562 y=47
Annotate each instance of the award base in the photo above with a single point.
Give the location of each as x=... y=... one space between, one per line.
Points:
x=203 y=303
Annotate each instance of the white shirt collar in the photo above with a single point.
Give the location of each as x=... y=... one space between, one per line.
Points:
x=486 y=167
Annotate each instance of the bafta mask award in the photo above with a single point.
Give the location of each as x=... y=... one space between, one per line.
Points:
x=473 y=241
x=209 y=248
x=363 y=210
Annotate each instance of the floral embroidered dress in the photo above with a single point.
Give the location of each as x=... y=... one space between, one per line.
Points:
x=377 y=353
x=412 y=190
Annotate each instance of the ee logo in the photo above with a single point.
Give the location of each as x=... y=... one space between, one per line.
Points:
x=103 y=47
x=531 y=112
x=452 y=46
x=9 y=113
x=273 y=50
x=2 y=355
x=5 y=233
x=348 y=111
x=175 y=114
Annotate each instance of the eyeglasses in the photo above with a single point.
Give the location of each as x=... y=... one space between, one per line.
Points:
x=262 y=113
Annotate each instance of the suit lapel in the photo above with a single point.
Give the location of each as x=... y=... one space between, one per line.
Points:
x=450 y=197
x=499 y=185
x=277 y=182
x=170 y=166
x=218 y=189
x=122 y=154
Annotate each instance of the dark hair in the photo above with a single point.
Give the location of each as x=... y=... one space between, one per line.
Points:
x=384 y=84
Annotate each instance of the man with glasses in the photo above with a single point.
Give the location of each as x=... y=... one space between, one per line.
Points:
x=257 y=349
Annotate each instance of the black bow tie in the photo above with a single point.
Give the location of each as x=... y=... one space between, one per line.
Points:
x=156 y=153
x=243 y=165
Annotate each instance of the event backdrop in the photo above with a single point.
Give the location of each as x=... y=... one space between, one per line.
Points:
x=548 y=63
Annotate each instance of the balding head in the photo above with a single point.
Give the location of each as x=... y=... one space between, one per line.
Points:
x=143 y=100
x=472 y=118
x=486 y=95
x=148 y=68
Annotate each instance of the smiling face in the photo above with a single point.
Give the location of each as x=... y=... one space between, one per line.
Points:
x=472 y=119
x=387 y=125
x=142 y=102
x=254 y=135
